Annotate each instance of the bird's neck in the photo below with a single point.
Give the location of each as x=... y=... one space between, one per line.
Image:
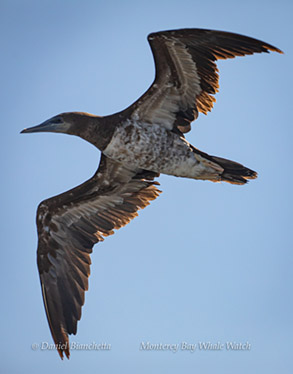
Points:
x=96 y=130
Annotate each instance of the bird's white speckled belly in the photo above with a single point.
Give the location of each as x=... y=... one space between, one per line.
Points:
x=154 y=148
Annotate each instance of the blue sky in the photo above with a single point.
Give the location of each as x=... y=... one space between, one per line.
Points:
x=204 y=262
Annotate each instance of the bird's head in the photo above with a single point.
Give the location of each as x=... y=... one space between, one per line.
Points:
x=73 y=123
x=54 y=124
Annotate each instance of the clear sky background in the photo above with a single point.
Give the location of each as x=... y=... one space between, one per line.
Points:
x=204 y=262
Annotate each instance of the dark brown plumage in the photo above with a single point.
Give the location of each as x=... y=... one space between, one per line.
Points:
x=203 y=47
x=137 y=144
x=68 y=227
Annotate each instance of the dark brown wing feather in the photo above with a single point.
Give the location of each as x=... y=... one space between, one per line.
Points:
x=186 y=73
x=68 y=227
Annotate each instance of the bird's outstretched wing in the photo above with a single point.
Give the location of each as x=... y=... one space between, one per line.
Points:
x=68 y=227
x=186 y=74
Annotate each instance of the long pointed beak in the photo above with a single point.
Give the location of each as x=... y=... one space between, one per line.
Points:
x=51 y=125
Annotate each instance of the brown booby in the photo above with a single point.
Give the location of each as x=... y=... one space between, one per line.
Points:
x=137 y=144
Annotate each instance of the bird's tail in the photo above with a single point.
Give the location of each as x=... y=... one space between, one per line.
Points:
x=229 y=171
x=234 y=172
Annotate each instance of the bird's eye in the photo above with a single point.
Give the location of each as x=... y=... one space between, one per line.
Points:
x=58 y=120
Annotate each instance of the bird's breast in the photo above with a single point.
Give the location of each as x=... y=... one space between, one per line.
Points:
x=151 y=147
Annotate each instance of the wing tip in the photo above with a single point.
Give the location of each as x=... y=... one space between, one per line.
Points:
x=275 y=49
x=60 y=337
x=61 y=350
x=62 y=345
x=272 y=48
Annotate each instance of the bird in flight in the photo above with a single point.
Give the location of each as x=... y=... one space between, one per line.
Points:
x=136 y=144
